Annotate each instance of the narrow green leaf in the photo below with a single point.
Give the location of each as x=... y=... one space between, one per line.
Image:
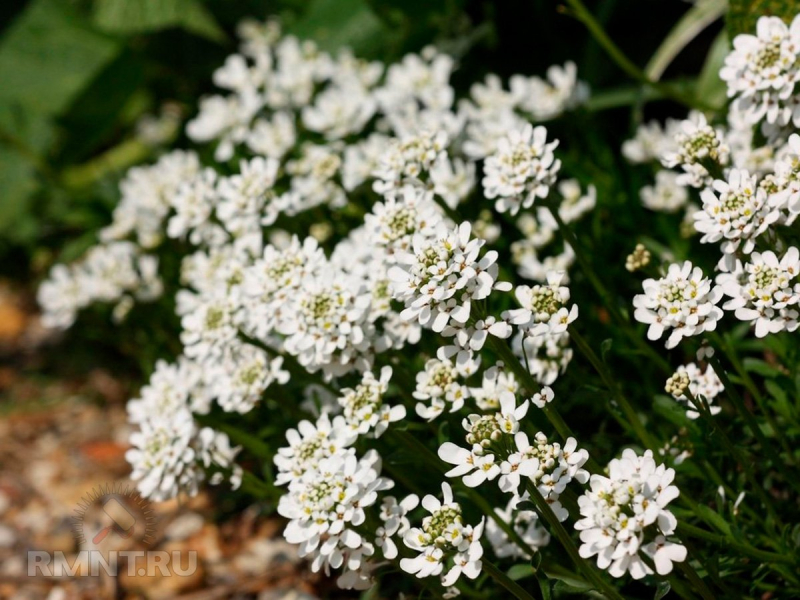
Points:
x=518 y=572
x=696 y=19
x=754 y=365
x=128 y=17
x=333 y=24
x=709 y=86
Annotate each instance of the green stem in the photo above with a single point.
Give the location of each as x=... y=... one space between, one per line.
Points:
x=580 y=12
x=735 y=453
x=524 y=376
x=630 y=414
x=505 y=581
x=592 y=576
x=416 y=446
x=722 y=540
x=697 y=582
x=738 y=402
x=733 y=357
x=608 y=302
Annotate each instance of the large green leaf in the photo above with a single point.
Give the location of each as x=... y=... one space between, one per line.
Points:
x=743 y=14
x=139 y=16
x=48 y=56
x=333 y=24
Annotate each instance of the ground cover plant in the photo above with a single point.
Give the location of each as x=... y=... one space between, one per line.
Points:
x=441 y=325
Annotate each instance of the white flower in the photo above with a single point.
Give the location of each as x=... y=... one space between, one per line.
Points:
x=443 y=275
x=326 y=504
x=169 y=452
x=313 y=179
x=453 y=180
x=543 y=398
x=211 y=326
x=364 y=409
x=443 y=538
x=309 y=444
x=496 y=382
x=147 y=193
x=422 y=78
x=737 y=213
x=684 y=301
x=667 y=195
x=651 y=142
x=242 y=376
x=525 y=523
x=625 y=512
x=273 y=138
x=522 y=169
x=696 y=142
x=783 y=186
x=407 y=159
x=761 y=72
x=767 y=292
x=440 y=384
x=246 y=198
x=574 y=203
x=544 y=309
x=361 y=159
x=545 y=356
x=700 y=383
x=395 y=522
x=339 y=111
x=548 y=99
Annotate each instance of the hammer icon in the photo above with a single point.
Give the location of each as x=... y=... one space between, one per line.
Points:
x=122 y=521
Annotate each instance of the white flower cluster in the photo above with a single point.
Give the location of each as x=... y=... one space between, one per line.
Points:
x=699 y=383
x=363 y=406
x=326 y=506
x=499 y=450
x=625 y=517
x=521 y=169
x=765 y=291
x=525 y=524
x=443 y=540
x=171 y=453
x=442 y=275
x=684 y=302
x=114 y=272
x=696 y=142
x=762 y=71
x=544 y=307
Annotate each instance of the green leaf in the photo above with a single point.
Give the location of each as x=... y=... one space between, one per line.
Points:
x=696 y=19
x=545 y=585
x=710 y=88
x=334 y=24
x=754 y=365
x=743 y=14
x=252 y=443
x=605 y=346
x=127 y=17
x=518 y=572
x=48 y=57
x=662 y=589
x=714 y=518
x=18 y=182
